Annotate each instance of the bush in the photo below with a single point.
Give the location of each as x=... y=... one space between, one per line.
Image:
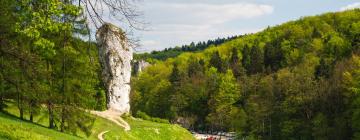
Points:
x=100 y=100
x=159 y=120
x=142 y=115
x=145 y=116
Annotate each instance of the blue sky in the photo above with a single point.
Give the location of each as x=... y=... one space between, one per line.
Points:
x=176 y=22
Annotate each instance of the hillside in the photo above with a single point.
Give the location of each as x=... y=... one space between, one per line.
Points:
x=12 y=127
x=176 y=51
x=297 y=80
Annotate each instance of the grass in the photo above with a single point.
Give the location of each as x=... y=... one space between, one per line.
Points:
x=144 y=130
x=13 y=128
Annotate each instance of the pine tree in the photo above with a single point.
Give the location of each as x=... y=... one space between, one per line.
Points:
x=235 y=64
x=272 y=57
x=195 y=68
x=246 y=60
x=217 y=62
x=256 y=60
x=175 y=92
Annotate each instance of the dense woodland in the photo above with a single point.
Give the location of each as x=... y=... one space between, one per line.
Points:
x=298 y=80
x=174 y=52
x=44 y=65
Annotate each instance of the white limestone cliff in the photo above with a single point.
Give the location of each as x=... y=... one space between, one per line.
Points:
x=115 y=57
x=139 y=66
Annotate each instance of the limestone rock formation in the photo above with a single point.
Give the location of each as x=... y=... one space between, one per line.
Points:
x=139 y=66
x=115 y=57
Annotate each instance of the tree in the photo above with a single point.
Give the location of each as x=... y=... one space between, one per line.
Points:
x=273 y=57
x=321 y=128
x=221 y=102
x=246 y=60
x=336 y=46
x=124 y=11
x=235 y=64
x=352 y=82
x=256 y=60
x=217 y=62
x=355 y=35
x=175 y=77
x=323 y=69
x=195 y=68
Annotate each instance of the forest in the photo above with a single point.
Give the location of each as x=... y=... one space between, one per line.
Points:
x=298 y=80
x=46 y=67
x=173 y=52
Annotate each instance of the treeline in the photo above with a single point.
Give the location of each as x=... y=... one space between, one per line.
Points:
x=299 y=80
x=174 y=52
x=44 y=66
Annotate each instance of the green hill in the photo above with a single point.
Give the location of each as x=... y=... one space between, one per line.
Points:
x=297 y=80
x=142 y=129
x=11 y=127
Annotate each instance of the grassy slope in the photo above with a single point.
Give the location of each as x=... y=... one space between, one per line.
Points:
x=141 y=129
x=13 y=128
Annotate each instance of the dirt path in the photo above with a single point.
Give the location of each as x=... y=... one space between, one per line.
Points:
x=112 y=116
x=100 y=136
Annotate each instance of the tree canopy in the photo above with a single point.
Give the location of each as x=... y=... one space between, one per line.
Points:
x=298 y=80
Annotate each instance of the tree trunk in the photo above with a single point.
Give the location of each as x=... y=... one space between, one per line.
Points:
x=270 y=128
x=1 y=96
x=31 y=111
x=21 y=113
x=31 y=116
x=51 y=116
x=1 y=102
x=263 y=127
x=19 y=103
x=62 y=127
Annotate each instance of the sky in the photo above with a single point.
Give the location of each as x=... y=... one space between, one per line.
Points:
x=173 y=23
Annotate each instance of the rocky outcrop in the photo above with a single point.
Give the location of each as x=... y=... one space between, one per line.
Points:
x=115 y=57
x=139 y=66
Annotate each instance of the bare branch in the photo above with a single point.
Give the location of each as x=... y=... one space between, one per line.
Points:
x=124 y=11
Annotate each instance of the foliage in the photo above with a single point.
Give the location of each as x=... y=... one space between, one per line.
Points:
x=144 y=116
x=298 y=80
x=176 y=51
x=43 y=63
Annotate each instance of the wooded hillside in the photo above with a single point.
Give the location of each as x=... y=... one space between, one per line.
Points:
x=298 y=80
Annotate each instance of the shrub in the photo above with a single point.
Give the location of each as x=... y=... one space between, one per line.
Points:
x=145 y=116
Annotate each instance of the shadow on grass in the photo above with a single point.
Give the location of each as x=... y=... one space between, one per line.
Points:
x=10 y=116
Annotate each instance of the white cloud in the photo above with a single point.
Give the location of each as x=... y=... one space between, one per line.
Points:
x=150 y=43
x=180 y=35
x=351 y=6
x=181 y=23
x=200 y=13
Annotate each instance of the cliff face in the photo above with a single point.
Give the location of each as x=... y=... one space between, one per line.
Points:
x=139 y=66
x=115 y=57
